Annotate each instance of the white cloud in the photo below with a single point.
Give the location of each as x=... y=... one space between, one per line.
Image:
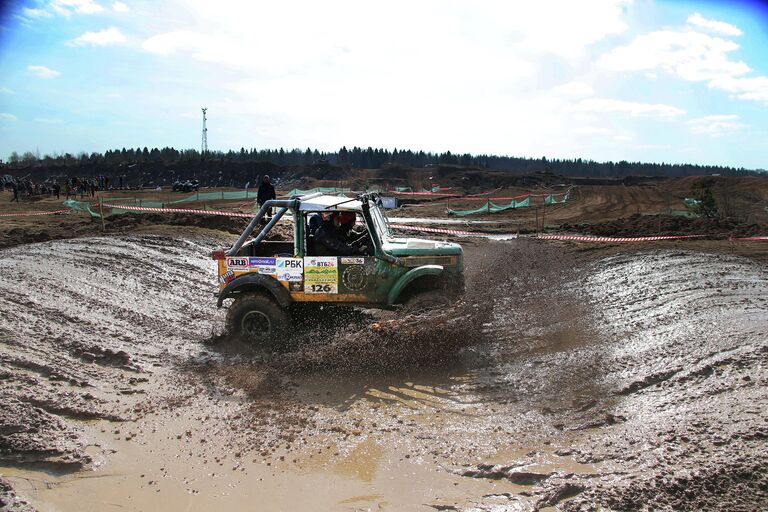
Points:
x=29 y=12
x=690 y=55
x=350 y=30
x=5 y=90
x=104 y=37
x=588 y=130
x=67 y=7
x=170 y=42
x=574 y=90
x=653 y=146
x=745 y=88
x=7 y=117
x=716 y=125
x=564 y=29
x=634 y=109
x=48 y=120
x=43 y=71
x=119 y=7
x=721 y=27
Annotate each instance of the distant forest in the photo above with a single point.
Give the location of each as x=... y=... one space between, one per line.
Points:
x=369 y=158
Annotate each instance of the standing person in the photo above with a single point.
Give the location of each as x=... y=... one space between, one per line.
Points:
x=56 y=189
x=15 y=189
x=266 y=193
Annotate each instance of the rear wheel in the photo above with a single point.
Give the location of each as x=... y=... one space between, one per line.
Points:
x=258 y=319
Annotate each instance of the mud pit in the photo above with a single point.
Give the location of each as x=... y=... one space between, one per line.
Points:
x=563 y=381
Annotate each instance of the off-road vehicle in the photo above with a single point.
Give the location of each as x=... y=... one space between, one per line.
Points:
x=272 y=280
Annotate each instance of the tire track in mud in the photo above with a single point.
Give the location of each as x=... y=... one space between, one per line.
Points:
x=83 y=326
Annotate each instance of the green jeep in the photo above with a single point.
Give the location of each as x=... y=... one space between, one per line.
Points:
x=270 y=280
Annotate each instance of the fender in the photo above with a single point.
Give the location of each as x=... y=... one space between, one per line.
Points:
x=247 y=281
x=424 y=270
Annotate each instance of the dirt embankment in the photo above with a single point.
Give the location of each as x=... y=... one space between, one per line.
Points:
x=83 y=324
x=26 y=230
x=655 y=225
x=563 y=379
x=673 y=380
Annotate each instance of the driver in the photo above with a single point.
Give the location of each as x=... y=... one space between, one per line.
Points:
x=335 y=236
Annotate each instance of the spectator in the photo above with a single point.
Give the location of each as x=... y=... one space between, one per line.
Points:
x=266 y=193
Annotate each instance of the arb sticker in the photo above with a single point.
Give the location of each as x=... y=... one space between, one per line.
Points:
x=237 y=263
x=321 y=275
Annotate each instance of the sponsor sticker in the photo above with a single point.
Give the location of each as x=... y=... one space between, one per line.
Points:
x=321 y=274
x=352 y=261
x=226 y=277
x=238 y=263
x=289 y=269
x=263 y=265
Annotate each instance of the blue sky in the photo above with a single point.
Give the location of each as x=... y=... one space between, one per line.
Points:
x=670 y=81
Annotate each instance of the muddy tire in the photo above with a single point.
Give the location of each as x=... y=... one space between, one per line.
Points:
x=259 y=320
x=428 y=300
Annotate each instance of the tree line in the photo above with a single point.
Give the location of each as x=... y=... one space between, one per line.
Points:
x=371 y=158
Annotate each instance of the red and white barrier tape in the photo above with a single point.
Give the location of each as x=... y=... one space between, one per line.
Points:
x=467 y=198
x=446 y=231
x=30 y=214
x=425 y=194
x=583 y=238
x=176 y=210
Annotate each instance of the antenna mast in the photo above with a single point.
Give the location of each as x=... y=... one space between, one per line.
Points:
x=204 y=145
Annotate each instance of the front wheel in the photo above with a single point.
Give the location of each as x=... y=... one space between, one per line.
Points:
x=258 y=319
x=428 y=300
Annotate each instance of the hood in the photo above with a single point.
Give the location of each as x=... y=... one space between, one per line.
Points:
x=409 y=246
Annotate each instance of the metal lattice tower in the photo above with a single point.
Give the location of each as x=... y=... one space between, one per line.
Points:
x=204 y=145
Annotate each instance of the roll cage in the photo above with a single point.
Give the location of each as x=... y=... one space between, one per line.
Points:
x=369 y=204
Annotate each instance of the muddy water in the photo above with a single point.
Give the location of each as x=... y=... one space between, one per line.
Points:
x=590 y=383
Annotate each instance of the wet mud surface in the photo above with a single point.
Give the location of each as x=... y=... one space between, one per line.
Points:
x=563 y=379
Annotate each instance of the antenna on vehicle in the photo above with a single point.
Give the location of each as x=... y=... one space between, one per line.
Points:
x=204 y=145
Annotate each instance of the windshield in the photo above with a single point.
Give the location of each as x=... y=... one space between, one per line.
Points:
x=380 y=221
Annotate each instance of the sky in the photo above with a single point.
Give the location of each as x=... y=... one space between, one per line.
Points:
x=654 y=81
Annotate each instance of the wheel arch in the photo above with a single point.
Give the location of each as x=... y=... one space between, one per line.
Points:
x=256 y=283
x=424 y=274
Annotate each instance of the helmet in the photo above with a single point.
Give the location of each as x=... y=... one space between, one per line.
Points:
x=346 y=217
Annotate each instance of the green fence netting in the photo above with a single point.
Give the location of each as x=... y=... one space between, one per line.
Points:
x=132 y=201
x=213 y=196
x=491 y=207
x=552 y=198
x=80 y=206
x=324 y=190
